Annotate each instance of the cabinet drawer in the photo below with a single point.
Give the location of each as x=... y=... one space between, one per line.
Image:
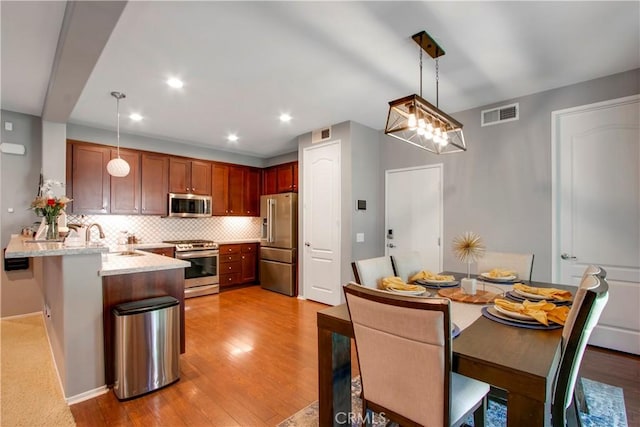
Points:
x=229 y=258
x=230 y=267
x=229 y=279
x=229 y=249
x=248 y=248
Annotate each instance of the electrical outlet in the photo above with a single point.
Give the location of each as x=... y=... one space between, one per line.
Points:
x=359 y=237
x=8 y=126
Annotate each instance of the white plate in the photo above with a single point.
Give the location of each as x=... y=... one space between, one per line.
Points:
x=496 y=313
x=513 y=314
x=530 y=296
x=499 y=279
x=439 y=282
x=416 y=292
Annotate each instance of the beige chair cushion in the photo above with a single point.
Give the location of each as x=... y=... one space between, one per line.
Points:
x=408 y=264
x=520 y=263
x=373 y=270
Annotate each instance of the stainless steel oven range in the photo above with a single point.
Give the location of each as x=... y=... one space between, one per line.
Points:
x=202 y=277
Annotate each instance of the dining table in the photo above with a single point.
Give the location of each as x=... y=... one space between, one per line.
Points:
x=521 y=362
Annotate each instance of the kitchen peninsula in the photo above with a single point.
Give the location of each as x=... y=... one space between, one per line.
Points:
x=80 y=285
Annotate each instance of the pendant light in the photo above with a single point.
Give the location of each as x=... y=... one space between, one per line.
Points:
x=414 y=120
x=118 y=167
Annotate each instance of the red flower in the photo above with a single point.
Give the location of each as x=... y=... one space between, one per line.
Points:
x=51 y=202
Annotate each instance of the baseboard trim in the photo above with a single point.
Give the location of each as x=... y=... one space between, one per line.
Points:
x=90 y=394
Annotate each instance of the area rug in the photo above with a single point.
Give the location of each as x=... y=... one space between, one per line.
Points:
x=30 y=393
x=605 y=407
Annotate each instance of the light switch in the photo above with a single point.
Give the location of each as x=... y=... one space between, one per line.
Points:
x=359 y=237
x=8 y=126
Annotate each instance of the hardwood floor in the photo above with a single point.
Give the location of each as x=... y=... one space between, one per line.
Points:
x=251 y=360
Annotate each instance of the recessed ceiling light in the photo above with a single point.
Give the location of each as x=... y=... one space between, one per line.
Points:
x=284 y=117
x=135 y=117
x=175 y=83
x=232 y=137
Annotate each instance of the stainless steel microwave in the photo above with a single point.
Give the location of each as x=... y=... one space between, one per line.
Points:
x=189 y=205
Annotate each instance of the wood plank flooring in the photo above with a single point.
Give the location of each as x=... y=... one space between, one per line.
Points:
x=251 y=360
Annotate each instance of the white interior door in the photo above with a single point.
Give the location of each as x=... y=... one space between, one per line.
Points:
x=321 y=229
x=413 y=213
x=597 y=209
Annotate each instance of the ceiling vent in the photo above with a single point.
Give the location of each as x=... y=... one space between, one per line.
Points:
x=320 y=135
x=506 y=113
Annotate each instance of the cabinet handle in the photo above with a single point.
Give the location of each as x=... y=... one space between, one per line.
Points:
x=229 y=268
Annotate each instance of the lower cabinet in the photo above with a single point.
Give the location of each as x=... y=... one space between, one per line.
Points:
x=238 y=264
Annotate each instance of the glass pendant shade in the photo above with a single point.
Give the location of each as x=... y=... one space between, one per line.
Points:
x=435 y=131
x=118 y=167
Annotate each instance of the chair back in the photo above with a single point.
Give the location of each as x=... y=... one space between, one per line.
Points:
x=522 y=264
x=588 y=303
x=404 y=353
x=406 y=265
x=370 y=272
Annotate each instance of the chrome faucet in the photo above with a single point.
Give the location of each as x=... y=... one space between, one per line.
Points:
x=88 y=236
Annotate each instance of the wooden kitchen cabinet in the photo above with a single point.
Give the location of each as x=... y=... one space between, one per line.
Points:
x=236 y=190
x=238 y=263
x=280 y=179
x=189 y=176
x=154 y=172
x=88 y=182
x=125 y=191
x=249 y=259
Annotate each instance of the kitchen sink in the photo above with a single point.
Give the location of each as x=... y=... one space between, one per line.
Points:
x=127 y=253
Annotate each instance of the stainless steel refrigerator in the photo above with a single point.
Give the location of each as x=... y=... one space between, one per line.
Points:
x=278 y=255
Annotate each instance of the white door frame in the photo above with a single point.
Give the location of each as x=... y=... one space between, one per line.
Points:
x=440 y=168
x=555 y=141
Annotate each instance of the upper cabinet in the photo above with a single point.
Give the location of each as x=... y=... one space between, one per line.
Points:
x=88 y=179
x=125 y=191
x=236 y=190
x=155 y=183
x=189 y=176
x=280 y=179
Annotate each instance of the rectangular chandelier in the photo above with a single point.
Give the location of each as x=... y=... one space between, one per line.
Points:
x=414 y=120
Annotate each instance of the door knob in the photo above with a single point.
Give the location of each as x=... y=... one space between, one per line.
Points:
x=567 y=256
x=307 y=244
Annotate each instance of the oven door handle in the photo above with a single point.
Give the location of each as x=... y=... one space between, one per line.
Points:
x=196 y=254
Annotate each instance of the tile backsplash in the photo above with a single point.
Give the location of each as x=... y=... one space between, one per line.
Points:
x=153 y=229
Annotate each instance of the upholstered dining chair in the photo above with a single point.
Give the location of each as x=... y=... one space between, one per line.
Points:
x=404 y=353
x=368 y=272
x=406 y=265
x=588 y=303
x=522 y=264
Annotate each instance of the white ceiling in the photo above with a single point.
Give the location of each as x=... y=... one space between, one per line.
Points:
x=244 y=63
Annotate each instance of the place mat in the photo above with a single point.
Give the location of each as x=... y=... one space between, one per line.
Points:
x=538 y=326
x=519 y=298
x=457 y=294
x=431 y=285
x=455 y=331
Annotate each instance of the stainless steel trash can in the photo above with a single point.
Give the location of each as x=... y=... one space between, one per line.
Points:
x=147 y=345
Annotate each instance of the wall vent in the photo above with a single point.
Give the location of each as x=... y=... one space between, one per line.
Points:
x=506 y=113
x=320 y=135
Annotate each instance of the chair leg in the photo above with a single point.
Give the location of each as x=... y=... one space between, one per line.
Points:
x=479 y=415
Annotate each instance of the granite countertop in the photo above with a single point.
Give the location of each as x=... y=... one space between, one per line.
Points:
x=21 y=247
x=137 y=262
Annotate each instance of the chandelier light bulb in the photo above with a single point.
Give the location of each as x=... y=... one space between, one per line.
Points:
x=437 y=131
x=421 y=130
x=430 y=127
x=422 y=124
x=428 y=134
x=412 y=122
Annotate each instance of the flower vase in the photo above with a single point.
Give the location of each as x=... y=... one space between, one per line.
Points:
x=52 y=228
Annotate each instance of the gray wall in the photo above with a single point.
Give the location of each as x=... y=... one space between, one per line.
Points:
x=20 y=175
x=366 y=181
x=501 y=187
